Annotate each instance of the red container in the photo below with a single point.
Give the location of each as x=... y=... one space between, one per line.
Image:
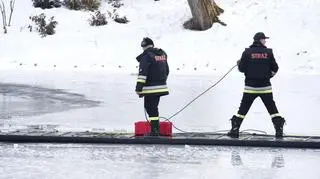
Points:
x=166 y=128
x=143 y=128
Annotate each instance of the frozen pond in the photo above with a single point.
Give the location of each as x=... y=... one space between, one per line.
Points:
x=107 y=102
x=38 y=161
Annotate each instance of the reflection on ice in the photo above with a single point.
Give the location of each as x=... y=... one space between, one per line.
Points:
x=154 y=161
x=235 y=158
x=277 y=159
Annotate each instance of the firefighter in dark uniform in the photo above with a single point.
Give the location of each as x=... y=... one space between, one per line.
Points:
x=258 y=65
x=151 y=82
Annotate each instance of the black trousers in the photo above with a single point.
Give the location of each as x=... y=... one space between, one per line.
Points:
x=151 y=105
x=248 y=98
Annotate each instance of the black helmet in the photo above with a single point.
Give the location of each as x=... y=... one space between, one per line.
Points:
x=146 y=41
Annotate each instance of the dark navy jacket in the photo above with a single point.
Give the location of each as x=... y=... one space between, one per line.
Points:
x=258 y=64
x=153 y=72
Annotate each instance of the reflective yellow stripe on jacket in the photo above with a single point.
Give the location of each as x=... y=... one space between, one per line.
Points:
x=257 y=90
x=142 y=79
x=154 y=89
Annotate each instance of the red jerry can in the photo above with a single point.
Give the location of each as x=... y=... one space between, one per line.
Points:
x=166 y=128
x=143 y=128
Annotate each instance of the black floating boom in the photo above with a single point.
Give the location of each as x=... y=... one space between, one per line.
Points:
x=218 y=139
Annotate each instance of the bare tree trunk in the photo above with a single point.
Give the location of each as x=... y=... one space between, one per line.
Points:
x=204 y=14
x=4 y=18
x=12 y=2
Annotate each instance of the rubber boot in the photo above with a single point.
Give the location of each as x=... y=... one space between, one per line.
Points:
x=154 y=128
x=278 y=123
x=235 y=126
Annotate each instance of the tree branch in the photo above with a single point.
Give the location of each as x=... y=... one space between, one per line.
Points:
x=12 y=2
x=3 y=13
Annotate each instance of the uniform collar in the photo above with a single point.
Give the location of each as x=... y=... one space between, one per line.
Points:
x=257 y=44
x=139 y=57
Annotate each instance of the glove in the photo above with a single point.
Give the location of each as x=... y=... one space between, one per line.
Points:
x=139 y=94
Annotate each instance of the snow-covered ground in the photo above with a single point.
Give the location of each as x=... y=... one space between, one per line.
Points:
x=291 y=24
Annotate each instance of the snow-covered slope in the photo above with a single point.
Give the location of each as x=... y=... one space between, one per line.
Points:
x=292 y=25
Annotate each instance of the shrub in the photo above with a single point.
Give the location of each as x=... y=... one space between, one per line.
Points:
x=121 y=20
x=42 y=26
x=115 y=16
x=46 y=4
x=115 y=3
x=90 y=5
x=73 y=4
x=98 y=19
